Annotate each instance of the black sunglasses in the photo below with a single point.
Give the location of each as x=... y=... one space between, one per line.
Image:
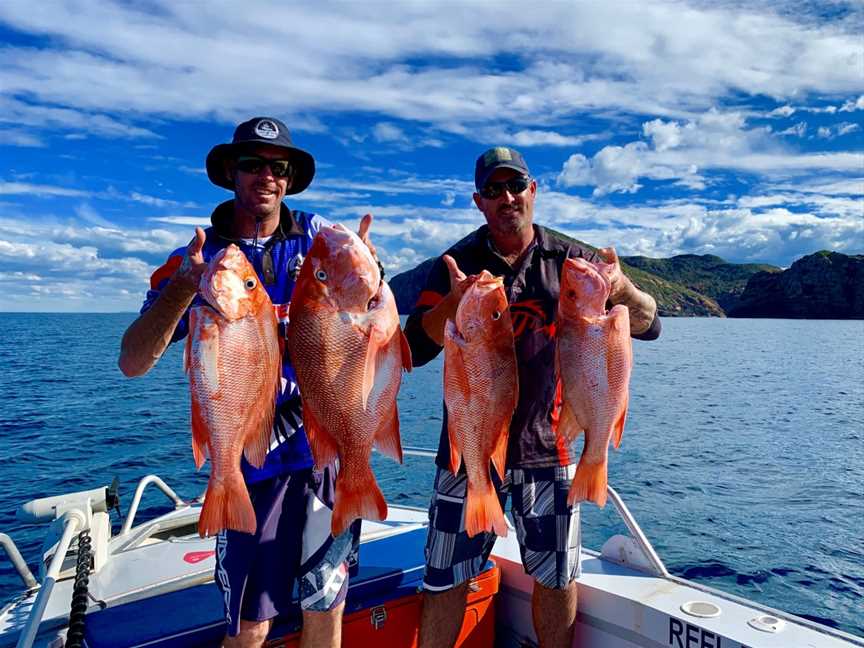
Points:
x=516 y=185
x=254 y=164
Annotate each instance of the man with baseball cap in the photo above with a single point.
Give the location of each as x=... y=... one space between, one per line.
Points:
x=539 y=469
x=256 y=573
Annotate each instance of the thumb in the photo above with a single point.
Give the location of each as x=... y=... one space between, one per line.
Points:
x=456 y=275
x=197 y=243
x=609 y=255
x=365 y=223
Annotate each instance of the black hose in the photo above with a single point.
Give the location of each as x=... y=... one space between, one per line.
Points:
x=78 y=610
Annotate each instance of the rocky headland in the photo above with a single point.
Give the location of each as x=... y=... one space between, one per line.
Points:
x=821 y=285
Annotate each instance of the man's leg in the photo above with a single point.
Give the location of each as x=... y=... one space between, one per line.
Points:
x=326 y=563
x=554 y=614
x=441 y=617
x=252 y=634
x=322 y=628
x=550 y=542
x=255 y=573
x=452 y=559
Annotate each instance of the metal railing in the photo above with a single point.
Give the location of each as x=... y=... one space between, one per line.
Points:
x=18 y=561
x=136 y=500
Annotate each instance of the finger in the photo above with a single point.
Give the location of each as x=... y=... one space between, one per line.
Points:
x=197 y=243
x=363 y=230
x=456 y=275
x=609 y=255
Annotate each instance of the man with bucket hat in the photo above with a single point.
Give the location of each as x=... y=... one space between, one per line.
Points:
x=256 y=573
x=539 y=469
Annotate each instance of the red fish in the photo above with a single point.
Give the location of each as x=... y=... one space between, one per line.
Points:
x=234 y=364
x=349 y=351
x=480 y=391
x=594 y=359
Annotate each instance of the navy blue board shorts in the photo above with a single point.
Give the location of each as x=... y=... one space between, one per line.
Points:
x=547 y=528
x=257 y=573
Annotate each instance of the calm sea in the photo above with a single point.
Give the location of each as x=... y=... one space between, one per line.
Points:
x=742 y=459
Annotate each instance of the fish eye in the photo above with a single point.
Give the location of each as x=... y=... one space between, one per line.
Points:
x=496 y=315
x=321 y=275
x=250 y=283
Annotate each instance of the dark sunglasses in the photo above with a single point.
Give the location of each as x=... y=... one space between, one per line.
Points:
x=516 y=185
x=253 y=164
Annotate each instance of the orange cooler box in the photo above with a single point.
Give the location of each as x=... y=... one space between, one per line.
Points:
x=383 y=606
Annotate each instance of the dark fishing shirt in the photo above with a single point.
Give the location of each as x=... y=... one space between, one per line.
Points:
x=277 y=262
x=532 y=291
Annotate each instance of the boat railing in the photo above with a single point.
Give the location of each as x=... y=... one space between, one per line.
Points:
x=636 y=533
x=18 y=561
x=139 y=492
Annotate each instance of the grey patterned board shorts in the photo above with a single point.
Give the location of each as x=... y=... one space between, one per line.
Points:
x=547 y=529
x=256 y=574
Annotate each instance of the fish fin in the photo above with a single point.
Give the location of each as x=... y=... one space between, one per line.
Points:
x=483 y=511
x=227 y=506
x=455 y=452
x=324 y=448
x=619 y=318
x=258 y=443
x=455 y=386
x=387 y=437
x=357 y=497
x=589 y=483
x=569 y=426
x=187 y=350
x=618 y=428
x=455 y=361
x=375 y=343
x=200 y=437
x=407 y=360
x=499 y=452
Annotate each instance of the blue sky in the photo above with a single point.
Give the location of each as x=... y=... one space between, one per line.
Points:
x=658 y=127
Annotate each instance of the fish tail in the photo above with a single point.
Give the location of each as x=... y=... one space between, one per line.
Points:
x=227 y=506
x=483 y=511
x=589 y=483
x=357 y=496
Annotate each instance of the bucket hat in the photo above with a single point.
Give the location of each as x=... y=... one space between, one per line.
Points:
x=257 y=131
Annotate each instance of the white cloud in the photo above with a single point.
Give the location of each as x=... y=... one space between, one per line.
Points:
x=649 y=57
x=782 y=111
x=685 y=151
x=27 y=189
x=799 y=130
x=853 y=104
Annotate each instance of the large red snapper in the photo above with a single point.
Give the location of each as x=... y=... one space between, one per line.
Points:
x=594 y=359
x=480 y=391
x=234 y=365
x=349 y=352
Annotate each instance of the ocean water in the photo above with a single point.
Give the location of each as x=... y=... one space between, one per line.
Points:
x=742 y=459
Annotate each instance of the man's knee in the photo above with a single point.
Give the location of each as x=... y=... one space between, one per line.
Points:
x=252 y=635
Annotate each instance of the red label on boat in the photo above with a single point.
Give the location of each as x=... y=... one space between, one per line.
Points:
x=197 y=556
